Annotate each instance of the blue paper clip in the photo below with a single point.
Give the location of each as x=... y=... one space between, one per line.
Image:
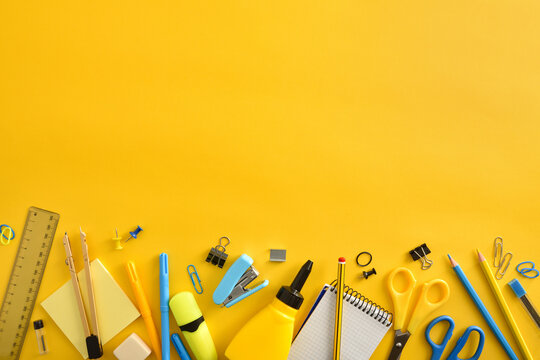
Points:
x=194 y=272
x=526 y=270
x=5 y=240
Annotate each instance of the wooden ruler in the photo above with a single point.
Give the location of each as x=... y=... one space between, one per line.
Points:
x=26 y=275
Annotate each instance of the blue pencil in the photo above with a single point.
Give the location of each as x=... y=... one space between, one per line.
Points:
x=164 y=305
x=480 y=305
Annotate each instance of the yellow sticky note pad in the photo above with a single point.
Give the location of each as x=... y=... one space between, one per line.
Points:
x=114 y=309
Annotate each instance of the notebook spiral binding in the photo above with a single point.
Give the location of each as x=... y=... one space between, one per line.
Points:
x=366 y=305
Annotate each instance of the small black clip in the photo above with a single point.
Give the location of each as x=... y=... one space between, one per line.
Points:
x=217 y=255
x=421 y=253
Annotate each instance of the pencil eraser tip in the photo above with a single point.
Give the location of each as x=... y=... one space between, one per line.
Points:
x=341 y=260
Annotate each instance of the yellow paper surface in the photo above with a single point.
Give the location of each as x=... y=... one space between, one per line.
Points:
x=325 y=128
x=115 y=310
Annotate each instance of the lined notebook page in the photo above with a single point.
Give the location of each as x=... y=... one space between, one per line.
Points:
x=361 y=333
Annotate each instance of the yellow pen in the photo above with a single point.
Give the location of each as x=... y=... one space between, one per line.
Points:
x=504 y=306
x=144 y=308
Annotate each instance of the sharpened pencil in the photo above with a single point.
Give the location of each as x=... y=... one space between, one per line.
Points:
x=504 y=307
x=482 y=308
x=339 y=308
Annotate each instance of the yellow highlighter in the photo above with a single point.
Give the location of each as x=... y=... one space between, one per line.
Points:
x=142 y=303
x=504 y=307
x=189 y=318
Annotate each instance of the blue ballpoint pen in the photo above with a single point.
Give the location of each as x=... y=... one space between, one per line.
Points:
x=177 y=342
x=164 y=305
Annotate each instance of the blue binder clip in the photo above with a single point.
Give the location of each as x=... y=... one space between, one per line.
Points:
x=232 y=287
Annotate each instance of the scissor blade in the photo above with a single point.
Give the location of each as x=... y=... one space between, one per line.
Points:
x=400 y=339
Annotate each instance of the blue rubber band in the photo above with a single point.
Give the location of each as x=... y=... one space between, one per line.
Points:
x=2 y=232
x=526 y=270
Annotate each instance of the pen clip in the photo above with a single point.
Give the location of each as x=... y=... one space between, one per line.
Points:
x=163 y=265
x=132 y=272
x=164 y=282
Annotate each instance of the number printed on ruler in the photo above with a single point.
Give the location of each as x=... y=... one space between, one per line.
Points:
x=26 y=274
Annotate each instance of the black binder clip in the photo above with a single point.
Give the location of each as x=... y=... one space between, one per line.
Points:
x=217 y=255
x=421 y=253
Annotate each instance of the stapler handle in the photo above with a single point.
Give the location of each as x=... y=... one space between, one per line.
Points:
x=250 y=292
x=232 y=276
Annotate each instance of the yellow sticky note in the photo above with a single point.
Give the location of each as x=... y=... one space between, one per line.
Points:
x=114 y=309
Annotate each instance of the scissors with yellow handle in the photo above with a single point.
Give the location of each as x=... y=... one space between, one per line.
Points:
x=401 y=284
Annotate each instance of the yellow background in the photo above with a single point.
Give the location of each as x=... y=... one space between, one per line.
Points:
x=326 y=128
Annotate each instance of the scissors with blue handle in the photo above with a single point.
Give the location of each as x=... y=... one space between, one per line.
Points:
x=438 y=349
x=401 y=285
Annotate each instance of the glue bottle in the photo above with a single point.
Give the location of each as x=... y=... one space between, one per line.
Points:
x=268 y=335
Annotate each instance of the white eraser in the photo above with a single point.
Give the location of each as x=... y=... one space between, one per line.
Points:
x=133 y=348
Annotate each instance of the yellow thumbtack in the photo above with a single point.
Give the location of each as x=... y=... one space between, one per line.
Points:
x=118 y=239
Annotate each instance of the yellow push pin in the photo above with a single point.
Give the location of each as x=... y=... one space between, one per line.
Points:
x=118 y=239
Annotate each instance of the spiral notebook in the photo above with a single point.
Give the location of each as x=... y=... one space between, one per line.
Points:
x=364 y=325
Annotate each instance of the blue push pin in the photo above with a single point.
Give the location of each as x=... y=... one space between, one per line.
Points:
x=133 y=234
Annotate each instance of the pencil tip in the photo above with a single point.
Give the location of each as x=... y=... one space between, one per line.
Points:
x=452 y=261
x=480 y=256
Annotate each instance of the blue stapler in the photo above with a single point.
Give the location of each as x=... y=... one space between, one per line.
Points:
x=232 y=287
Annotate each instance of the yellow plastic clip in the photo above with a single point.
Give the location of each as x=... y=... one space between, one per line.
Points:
x=118 y=240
